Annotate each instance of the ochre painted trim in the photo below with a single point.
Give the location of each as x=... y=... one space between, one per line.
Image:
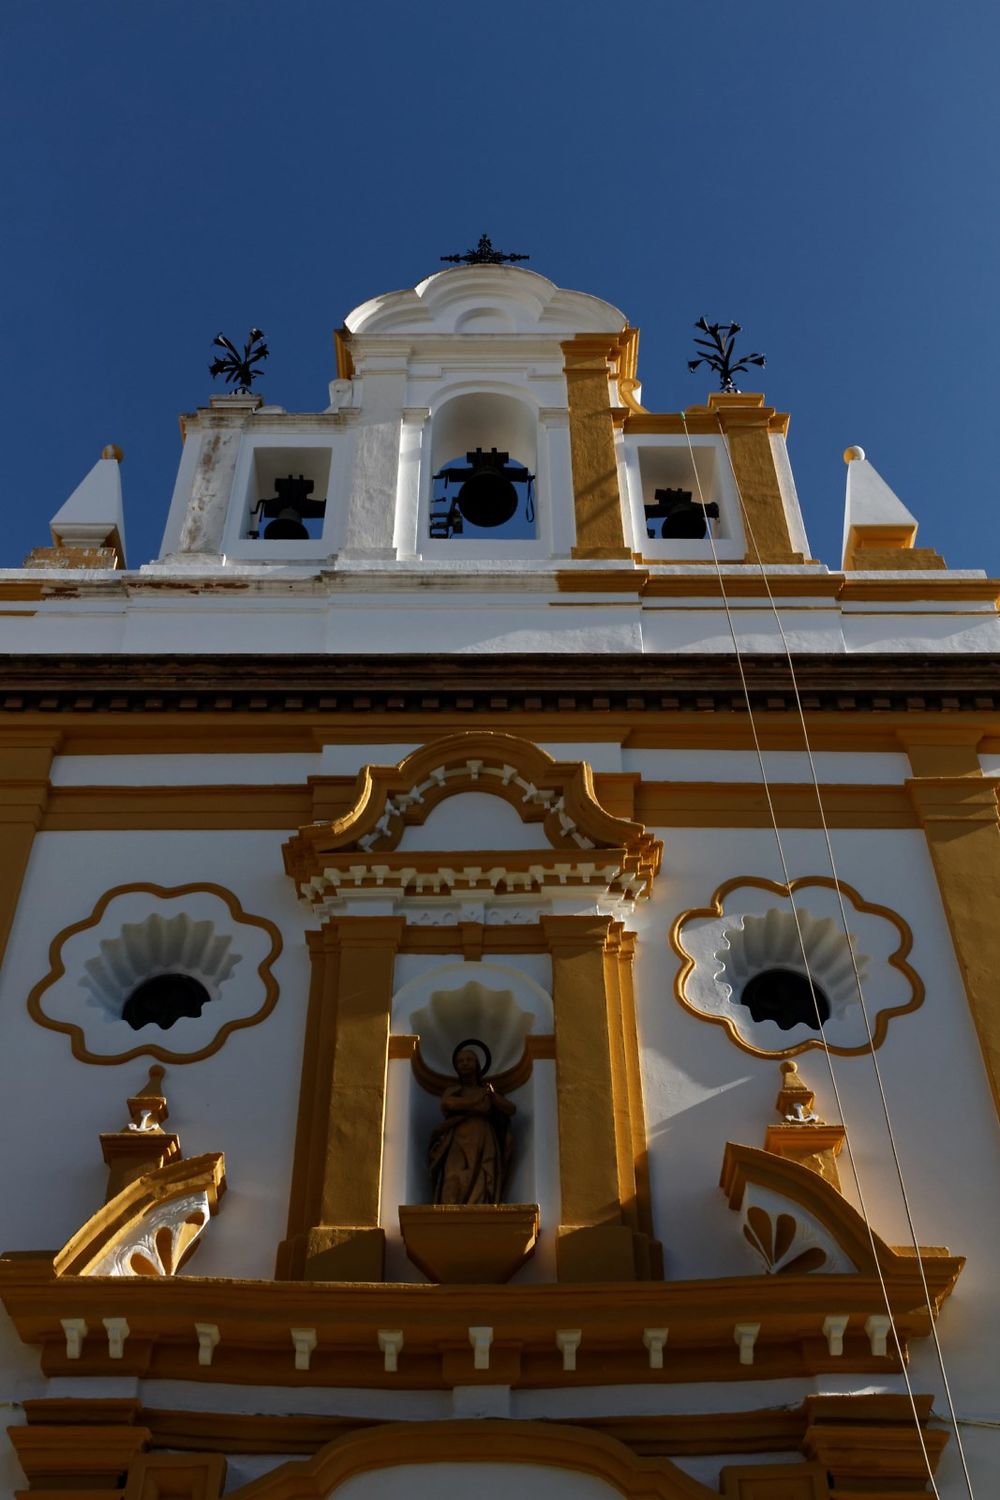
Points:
x=597 y=497
x=580 y=840
x=764 y=1430
x=333 y=1218
x=798 y=1184
x=175 y=1476
x=958 y=813
x=626 y=369
x=626 y=796
x=389 y=799
x=774 y=1482
x=25 y=763
x=254 y=1318
x=119 y=1219
x=604 y=1234
x=93 y=1458
x=205 y=807
x=735 y=804
x=898 y=960
x=148 y=1048
x=547 y=1444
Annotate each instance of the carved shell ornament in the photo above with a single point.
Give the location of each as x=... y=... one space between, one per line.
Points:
x=471 y=1010
x=166 y=972
x=769 y=974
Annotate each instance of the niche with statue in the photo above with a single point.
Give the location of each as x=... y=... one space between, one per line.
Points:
x=471 y=1095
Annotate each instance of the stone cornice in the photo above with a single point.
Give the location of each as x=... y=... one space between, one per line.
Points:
x=636 y=684
x=253 y=1320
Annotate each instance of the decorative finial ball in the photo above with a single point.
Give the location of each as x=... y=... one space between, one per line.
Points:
x=112 y=450
x=789 y=1068
x=850 y=454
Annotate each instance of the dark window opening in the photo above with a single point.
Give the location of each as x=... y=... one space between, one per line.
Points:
x=164 y=999
x=785 y=997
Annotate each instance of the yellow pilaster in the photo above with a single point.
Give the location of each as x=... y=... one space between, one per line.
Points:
x=596 y=491
x=333 y=1223
x=25 y=763
x=957 y=809
x=596 y=1242
x=747 y=425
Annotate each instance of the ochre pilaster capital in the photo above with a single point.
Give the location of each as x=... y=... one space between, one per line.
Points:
x=588 y=353
x=576 y=933
x=953 y=799
x=364 y=932
x=940 y=751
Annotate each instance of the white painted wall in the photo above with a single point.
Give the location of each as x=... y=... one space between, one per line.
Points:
x=472 y=604
x=701 y=1090
x=488 y=1481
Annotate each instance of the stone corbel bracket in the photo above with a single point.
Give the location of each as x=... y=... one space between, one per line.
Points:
x=798 y=1222
x=586 y=845
x=152 y=1226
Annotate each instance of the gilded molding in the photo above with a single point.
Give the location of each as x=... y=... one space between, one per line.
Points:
x=897 y=959
x=151 y=1049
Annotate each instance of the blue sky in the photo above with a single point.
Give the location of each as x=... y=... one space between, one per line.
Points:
x=824 y=173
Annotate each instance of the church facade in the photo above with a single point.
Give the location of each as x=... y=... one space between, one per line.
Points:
x=499 y=951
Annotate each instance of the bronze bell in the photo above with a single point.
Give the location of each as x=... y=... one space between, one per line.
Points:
x=488 y=498
x=683 y=518
x=287 y=508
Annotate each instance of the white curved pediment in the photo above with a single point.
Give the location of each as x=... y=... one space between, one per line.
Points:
x=485 y=299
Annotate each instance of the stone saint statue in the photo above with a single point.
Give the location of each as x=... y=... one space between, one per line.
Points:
x=470 y=1150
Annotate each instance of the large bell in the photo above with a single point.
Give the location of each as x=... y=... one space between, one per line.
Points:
x=488 y=498
x=288 y=506
x=286 y=527
x=683 y=518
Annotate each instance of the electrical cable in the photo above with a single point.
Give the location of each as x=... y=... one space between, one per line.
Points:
x=802 y=949
x=855 y=968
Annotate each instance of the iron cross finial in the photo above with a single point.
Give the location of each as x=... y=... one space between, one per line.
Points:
x=716 y=351
x=484 y=255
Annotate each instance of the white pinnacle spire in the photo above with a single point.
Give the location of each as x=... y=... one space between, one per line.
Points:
x=93 y=516
x=872 y=507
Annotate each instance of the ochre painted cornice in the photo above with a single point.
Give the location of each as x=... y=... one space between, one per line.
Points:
x=254 y=1319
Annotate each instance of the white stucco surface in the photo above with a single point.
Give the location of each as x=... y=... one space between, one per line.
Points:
x=434 y=369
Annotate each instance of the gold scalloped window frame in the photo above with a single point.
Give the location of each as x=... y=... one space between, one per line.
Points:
x=897 y=959
x=57 y=969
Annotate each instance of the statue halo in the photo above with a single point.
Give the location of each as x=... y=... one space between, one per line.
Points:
x=473 y=1041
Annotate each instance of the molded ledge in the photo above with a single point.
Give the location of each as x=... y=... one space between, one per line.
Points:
x=470 y=1243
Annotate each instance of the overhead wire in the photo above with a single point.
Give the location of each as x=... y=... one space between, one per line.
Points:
x=789 y=887
x=897 y=1163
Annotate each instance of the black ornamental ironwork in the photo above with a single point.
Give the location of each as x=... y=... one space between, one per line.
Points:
x=716 y=350
x=237 y=368
x=484 y=255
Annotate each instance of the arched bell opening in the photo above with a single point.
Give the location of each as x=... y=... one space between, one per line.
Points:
x=484 y=451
